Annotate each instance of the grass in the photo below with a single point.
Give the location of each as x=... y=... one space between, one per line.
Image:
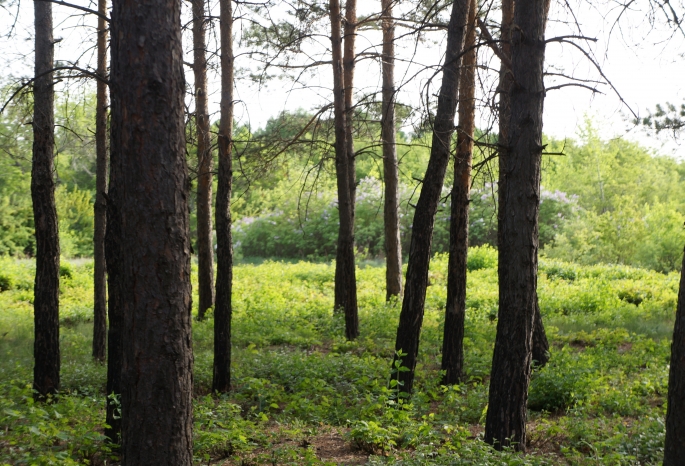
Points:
x=304 y=395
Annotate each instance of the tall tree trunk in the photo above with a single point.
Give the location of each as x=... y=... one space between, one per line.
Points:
x=411 y=317
x=100 y=267
x=224 y=269
x=511 y=364
x=540 y=346
x=148 y=132
x=455 y=309
x=391 y=218
x=46 y=288
x=115 y=277
x=205 y=252
x=350 y=34
x=345 y=279
x=674 y=451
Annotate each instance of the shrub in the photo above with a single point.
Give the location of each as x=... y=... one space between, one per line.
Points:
x=6 y=282
x=481 y=257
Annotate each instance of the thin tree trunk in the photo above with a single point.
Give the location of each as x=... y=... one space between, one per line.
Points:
x=674 y=450
x=205 y=252
x=46 y=288
x=411 y=317
x=350 y=34
x=511 y=364
x=345 y=279
x=100 y=267
x=224 y=270
x=455 y=309
x=148 y=132
x=391 y=218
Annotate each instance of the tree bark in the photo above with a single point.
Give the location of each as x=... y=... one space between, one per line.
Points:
x=455 y=309
x=540 y=343
x=411 y=316
x=674 y=450
x=152 y=181
x=224 y=271
x=391 y=219
x=511 y=364
x=345 y=279
x=46 y=287
x=100 y=267
x=205 y=252
x=350 y=34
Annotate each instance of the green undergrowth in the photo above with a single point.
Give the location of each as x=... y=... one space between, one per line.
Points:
x=297 y=381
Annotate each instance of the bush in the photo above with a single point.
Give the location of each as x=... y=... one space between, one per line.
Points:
x=6 y=282
x=481 y=257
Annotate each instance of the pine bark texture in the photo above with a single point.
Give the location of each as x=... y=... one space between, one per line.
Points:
x=455 y=309
x=411 y=316
x=511 y=365
x=349 y=58
x=205 y=252
x=674 y=451
x=224 y=271
x=100 y=220
x=46 y=353
x=147 y=86
x=540 y=343
x=391 y=218
x=345 y=279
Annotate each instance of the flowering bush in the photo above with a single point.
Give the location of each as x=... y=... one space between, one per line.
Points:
x=308 y=228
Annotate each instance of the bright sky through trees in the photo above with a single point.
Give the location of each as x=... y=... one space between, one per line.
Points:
x=644 y=63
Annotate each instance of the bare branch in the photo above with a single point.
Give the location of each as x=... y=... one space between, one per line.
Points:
x=77 y=7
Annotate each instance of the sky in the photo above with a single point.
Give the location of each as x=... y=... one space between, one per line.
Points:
x=639 y=55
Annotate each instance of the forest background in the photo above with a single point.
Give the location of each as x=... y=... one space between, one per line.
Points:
x=603 y=201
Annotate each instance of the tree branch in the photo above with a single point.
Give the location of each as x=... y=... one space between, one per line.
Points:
x=493 y=44
x=77 y=7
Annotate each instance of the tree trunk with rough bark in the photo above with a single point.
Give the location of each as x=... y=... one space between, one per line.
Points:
x=411 y=316
x=349 y=58
x=46 y=353
x=540 y=343
x=455 y=309
x=674 y=450
x=99 y=266
x=205 y=252
x=224 y=268
x=511 y=364
x=391 y=218
x=147 y=86
x=345 y=273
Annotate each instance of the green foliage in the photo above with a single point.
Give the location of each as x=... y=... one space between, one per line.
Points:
x=481 y=257
x=631 y=204
x=297 y=381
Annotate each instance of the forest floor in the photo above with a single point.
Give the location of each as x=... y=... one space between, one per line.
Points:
x=303 y=395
